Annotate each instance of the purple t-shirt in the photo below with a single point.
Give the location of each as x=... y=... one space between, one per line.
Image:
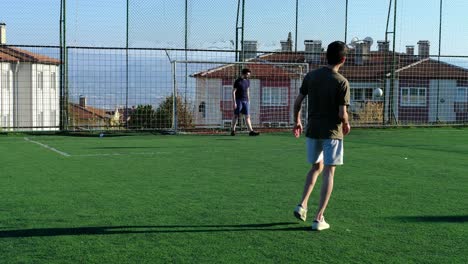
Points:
x=241 y=86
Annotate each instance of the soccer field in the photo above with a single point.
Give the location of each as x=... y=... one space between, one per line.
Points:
x=401 y=197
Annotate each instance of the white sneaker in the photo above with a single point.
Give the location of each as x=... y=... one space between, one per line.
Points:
x=320 y=225
x=300 y=213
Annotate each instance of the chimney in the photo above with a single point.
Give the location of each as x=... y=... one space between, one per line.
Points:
x=410 y=50
x=2 y=33
x=313 y=50
x=250 y=50
x=362 y=52
x=383 y=46
x=423 y=48
x=286 y=46
x=82 y=101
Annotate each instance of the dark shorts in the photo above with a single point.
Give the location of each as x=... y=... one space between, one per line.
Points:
x=242 y=107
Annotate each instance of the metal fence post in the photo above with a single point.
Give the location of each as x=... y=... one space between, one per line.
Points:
x=174 y=97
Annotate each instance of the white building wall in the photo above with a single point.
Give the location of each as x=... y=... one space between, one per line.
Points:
x=200 y=95
x=54 y=95
x=47 y=99
x=23 y=97
x=255 y=102
x=6 y=96
x=212 y=94
x=37 y=101
x=37 y=109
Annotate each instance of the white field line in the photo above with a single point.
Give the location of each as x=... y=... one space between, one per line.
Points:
x=90 y=155
x=48 y=147
x=118 y=154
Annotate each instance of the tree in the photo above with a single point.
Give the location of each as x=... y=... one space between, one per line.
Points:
x=164 y=113
x=144 y=116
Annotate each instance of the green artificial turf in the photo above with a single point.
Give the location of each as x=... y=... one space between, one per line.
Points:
x=401 y=197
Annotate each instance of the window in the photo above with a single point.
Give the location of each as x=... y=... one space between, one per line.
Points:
x=362 y=94
x=274 y=96
x=202 y=109
x=227 y=92
x=368 y=94
x=413 y=96
x=53 y=80
x=462 y=95
x=40 y=80
x=356 y=94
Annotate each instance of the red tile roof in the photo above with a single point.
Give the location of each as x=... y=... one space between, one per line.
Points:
x=7 y=58
x=434 y=69
x=376 y=66
x=87 y=112
x=261 y=70
x=11 y=54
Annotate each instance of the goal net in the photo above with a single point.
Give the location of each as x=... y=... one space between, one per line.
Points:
x=204 y=93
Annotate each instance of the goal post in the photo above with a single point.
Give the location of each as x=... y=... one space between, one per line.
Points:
x=202 y=93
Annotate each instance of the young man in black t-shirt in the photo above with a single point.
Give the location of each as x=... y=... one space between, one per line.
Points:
x=240 y=99
x=328 y=95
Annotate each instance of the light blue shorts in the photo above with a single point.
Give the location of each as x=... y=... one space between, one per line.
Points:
x=328 y=150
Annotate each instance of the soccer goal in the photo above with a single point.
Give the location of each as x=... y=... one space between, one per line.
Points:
x=203 y=93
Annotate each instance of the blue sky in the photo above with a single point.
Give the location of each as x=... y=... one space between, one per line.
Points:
x=160 y=23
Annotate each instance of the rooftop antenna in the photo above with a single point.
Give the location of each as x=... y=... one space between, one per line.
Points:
x=353 y=42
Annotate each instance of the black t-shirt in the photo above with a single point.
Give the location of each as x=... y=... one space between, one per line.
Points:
x=241 y=86
x=326 y=91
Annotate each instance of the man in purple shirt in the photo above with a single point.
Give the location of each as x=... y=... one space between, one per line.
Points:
x=240 y=98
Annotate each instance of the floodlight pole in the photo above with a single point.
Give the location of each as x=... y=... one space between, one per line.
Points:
x=392 y=80
x=241 y=56
x=174 y=97
x=438 y=59
x=63 y=68
x=346 y=23
x=297 y=15
x=126 y=70
x=237 y=31
x=62 y=108
x=388 y=101
x=186 y=66
x=242 y=35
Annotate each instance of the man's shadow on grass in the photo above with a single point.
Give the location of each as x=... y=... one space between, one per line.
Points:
x=112 y=230
x=434 y=219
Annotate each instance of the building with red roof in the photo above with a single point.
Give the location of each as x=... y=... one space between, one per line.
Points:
x=423 y=90
x=29 y=89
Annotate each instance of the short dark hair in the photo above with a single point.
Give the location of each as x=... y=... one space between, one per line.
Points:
x=245 y=71
x=336 y=51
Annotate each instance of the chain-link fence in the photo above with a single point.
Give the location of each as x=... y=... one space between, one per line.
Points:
x=161 y=65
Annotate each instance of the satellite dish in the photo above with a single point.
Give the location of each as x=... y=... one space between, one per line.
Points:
x=354 y=41
x=369 y=40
